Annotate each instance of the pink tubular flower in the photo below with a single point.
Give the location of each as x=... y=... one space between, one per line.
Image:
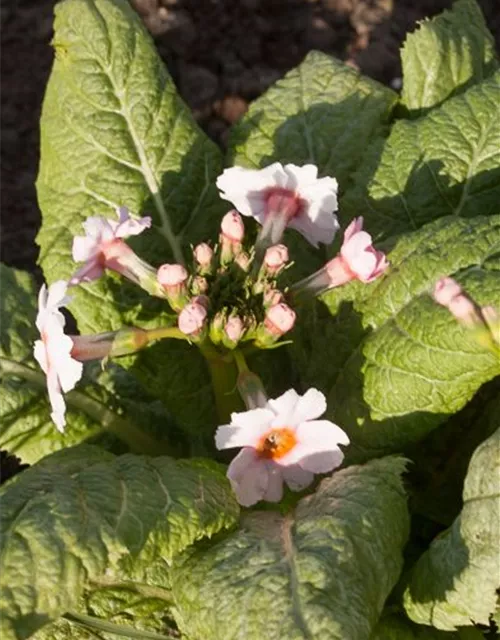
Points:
x=357 y=260
x=282 y=442
x=53 y=351
x=192 y=319
x=103 y=248
x=279 y=196
x=448 y=293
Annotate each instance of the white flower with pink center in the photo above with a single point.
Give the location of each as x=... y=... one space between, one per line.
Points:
x=53 y=351
x=279 y=196
x=282 y=442
x=102 y=247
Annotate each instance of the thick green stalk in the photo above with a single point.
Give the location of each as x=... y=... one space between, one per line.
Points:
x=223 y=373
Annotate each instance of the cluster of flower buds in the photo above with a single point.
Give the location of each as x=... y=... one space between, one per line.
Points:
x=227 y=294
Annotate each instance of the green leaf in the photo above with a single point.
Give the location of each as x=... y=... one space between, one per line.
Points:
x=322 y=112
x=402 y=363
x=445 y=56
x=455 y=582
x=322 y=572
x=114 y=132
x=83 y=513
x=397 y=627
x=447 y=162
x=111 y=400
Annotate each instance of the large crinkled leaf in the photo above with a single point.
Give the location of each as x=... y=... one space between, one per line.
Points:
x=114 y=132
x=405 y=364
x=445 y=56
x=322 y=112
x=105 y=402
x=397 y=627
x=80 y=513
x=322 y=572
x=447 y=162
x=455 y=582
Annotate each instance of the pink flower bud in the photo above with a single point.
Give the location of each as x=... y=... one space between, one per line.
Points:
x=203 y=254
x=279 y=319
x=275 y=258
x=445 y=290
x=192 y=319
x=464 y=311
x=272 y=297
x=173 y=277
x=232 y=227
x=234 y=328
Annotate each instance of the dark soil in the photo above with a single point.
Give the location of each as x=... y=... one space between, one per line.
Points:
x=221 y=53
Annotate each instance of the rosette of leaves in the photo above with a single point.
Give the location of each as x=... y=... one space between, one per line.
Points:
x=125 y=540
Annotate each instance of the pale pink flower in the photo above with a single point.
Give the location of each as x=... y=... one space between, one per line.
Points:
x=279 y=196
x=53 y=351
x=102 y=247
x=282 y=442
x=357 y=260
x=448 y=293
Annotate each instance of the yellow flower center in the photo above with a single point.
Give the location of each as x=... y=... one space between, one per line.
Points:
x=276 y=443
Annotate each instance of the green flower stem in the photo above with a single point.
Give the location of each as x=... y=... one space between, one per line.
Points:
x=223 y=373
x=165 y=332
x=249 y=384
x=98 y=624
x=137 y=440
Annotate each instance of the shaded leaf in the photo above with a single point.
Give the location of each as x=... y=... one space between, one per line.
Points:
x=446 y=55
x=455 y=582
x=323 y=571
x=82 y=513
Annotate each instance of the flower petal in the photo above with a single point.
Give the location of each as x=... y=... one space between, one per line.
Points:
x=57 y=295
x=284 y=407
x=301 y=177
x=296 y=477
x=100 y=229
x=321 y=435
x=90 y=271
x=84 y=248
x=248 y=476
x=56 y=401
x=322 y=461
x=245 y=431
x=40 y=355
x=274 y=491
x=131 y=227
x=311 y=405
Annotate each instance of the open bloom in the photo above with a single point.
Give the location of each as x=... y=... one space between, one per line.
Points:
x=279 y=196
x=102 y=247
x=53 y=351
x=282 y=442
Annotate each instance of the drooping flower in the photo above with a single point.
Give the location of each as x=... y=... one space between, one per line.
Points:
x=282 y=442
x=448 y=293
x=279 y=196
x=103 y=247
x=357 y=260
x=53 y=351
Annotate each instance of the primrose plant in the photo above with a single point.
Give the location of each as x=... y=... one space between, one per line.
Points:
x=259 y=391
x=227 y=299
